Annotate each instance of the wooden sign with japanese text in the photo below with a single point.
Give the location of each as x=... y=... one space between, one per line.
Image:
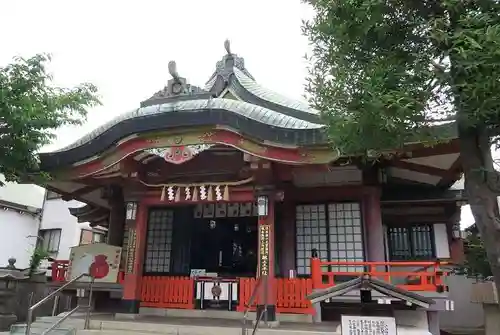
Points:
x=264 y=249
x=368 y=325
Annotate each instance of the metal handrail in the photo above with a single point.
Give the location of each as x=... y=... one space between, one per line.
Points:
x=54 y=293
x=249 y=305
x=58 y=322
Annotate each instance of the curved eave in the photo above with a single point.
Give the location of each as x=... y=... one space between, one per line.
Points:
x=252 y=92
x=89 y=213
x=76 y=211
x=248 y=90
x=259 y=123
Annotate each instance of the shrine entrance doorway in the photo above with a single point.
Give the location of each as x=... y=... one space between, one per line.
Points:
x=225 y=247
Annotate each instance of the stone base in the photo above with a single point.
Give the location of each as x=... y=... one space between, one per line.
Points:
x=269 y=324
x=7 y=320
x=130 y=306
x=271 y=313
x=127 y=316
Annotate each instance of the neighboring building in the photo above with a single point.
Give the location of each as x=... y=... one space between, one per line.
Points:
x=207 y=189
x=20 y=213
x=26 y=220
x=60 y=231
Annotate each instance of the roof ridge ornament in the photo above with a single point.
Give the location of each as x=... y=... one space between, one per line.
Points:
x=177 y=85
x=227 y=46
x=172 y=69
x=177 y=89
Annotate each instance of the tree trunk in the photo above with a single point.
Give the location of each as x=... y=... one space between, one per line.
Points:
x=475 y=155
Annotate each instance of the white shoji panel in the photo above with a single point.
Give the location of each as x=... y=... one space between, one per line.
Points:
x=346 y=235
x=311 y=234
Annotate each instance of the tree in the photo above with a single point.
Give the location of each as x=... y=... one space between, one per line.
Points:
x=386 y=71
x=476 y=263
x=31 y=108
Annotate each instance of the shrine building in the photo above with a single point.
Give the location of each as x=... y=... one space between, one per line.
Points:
x=211 y=191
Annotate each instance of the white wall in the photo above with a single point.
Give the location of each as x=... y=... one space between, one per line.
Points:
x=22 y=194
x=466 y=314
x=56 y=215
x=18 y=232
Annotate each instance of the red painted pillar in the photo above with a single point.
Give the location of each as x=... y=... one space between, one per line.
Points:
x=134 y=260
x=265 y=270
x=316 y=276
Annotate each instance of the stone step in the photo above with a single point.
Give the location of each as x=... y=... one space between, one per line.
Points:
x=183 y=330
x=48 y=320
x=144 y=328
x=39 y=329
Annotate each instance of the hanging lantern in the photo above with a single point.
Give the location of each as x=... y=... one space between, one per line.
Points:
x=455 y=230
x=131 y=210
x=263 y=205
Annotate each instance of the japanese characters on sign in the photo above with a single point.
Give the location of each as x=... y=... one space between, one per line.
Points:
x=367 y=325
x=264 y=249
x=131 y=246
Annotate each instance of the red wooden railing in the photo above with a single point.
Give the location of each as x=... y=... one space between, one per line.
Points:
x=290 y=294
x=60 y=271
x=167 y=292
x=411 y=276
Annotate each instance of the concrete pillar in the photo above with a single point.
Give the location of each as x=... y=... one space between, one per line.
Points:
x=373 y=228
x=317 y=314
x=433 y=321
x=491 y=319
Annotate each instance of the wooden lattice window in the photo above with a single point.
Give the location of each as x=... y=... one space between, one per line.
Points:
x=159 y=241
x=413 y=242
x=333 y=230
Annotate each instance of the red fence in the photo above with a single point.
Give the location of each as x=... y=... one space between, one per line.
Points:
x=290 y=294
x=411 y=276
x=167 y=292
x=59 y=270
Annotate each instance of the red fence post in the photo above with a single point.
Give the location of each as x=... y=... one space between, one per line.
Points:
x=316 y=276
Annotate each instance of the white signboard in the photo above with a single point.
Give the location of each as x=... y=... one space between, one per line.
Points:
x=99 y=259
x=368 y=325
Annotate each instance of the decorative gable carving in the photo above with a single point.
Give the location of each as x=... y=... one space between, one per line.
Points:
x=177 y=89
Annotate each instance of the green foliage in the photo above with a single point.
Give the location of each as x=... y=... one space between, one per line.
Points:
x=476 y=261
x=36 y=259
x=384 y=72
x=31 y=108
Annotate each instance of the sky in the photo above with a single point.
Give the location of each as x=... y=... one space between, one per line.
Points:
x=123 y=47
